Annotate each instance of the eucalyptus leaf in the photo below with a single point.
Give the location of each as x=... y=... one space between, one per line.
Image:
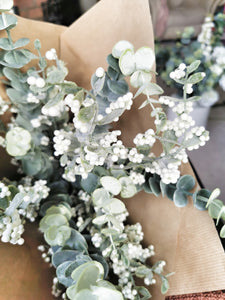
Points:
x=113 y=63
x=128 y=189
x=53 y=219
x=86 y=114
x=118 y=87
x=57 y=235
x=180 y=198
x=15 y=203
x=100 y=196
x=60 y=272
x=90 y=183
x=65 y=255
x=195 y=78
x=111 y=184
x=76 y=241
x=127 y=62
x=155 y=187
x=165 y=285
x=120 y=47
x=7 y=21
x=193 y=66
x=186 y=182
x=115 y=206
x=144 y=59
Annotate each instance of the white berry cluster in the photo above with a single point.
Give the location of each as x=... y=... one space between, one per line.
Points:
x=51 y=54
x=37 y=122
x=169 y=173
x=180 y=124
x=96 y=240
x=188 y=88
x=201 y=134
x=134 y=233
x=4 y=190
x=74 y=104
x=222 y=82
x=55 y=110
x=119 y=151
x=11 y=229
x=56 y=292
x=137 y=178
x=93 y=158
x=37 y=81
x=166 y=100
x=61 y=142
x=183 y=107
x=123 y=102
x=32 y=196
x=35 y=193
x=31 y=98
x=84 y=196
x=205 y=36
x=148 y=138
x=109 y=138
x=3 y=106
x=46 y=253
x=179 y=72
x=134 y=156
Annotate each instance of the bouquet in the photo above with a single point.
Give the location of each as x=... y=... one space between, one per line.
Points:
x=74 y=170
x=208 y=48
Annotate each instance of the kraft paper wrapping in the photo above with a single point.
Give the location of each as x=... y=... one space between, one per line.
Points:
x=185 y=237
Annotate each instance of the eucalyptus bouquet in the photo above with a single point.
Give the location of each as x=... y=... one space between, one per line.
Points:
x=208 y=48
x=73 y=169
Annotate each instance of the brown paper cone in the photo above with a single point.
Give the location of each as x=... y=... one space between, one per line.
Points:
x=186 y=238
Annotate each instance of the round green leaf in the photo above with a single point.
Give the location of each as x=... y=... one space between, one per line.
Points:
x=115 y=206
x=140 y=78
x=57 y=235
x=87 y=274
x=127 y=62
x=186 y=182
x=144 y=58
x=128 y=188
x=111 y=184
x=100 y=196
x=120 y=47
x=61 y=274
x=50 y=220
x=215 y=208
x=180 y=198
x=84 y=294
x=106 y=293
x=60 y=209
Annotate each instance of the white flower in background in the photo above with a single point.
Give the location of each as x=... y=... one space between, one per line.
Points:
x=18 y=141
x=208 y=98
x=216 y=69
x=219 y=55
x=222 y=82
x=6 y=5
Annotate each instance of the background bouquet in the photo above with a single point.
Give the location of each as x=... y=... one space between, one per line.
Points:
x=208 y=48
